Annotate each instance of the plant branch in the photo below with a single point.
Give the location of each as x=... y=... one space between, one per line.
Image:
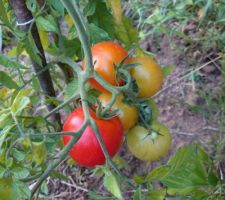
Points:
x=24 y=15
x=0 y=38
x=56 y=109
x=73 y=10
x=50 y=134
x=61 y=156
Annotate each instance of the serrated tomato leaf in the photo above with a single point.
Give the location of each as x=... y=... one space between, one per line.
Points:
x=112 y=185
x=7 y=81
x=188 y=169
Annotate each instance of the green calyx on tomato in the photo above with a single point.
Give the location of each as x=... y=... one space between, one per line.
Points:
x=87 y=151
x=147 y=146
x=107 y=56
x=128 y=114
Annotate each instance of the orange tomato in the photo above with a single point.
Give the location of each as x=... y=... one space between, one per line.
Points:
x=148 y=76
x=128 y=114
x=105 y=55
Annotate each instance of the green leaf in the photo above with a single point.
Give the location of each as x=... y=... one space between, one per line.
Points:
x=2 y=171
x=9 y=63
x=96 y=196
x=186 y=171
x=221 y=15
x=141 y=52
x=3 y=15
x=39 y=152
x=56 y=7
x=90 y=8
x=137 y=194
x=120 y=162
x=31 y=49
x=71 y=47
x=47 y=23
x=124 y=29
x=154 y=110
x=20 y=173
x=9 y=162
x=35 y=83
x=20 y=191
x=97 y=34
x=4 y=133
x=5 y=119
x=157 y=194
x=72 y=88
x=44 y=188
x=112 y=185
x=157 y=173
x=167 y=70
x=58 y=175
x=205 y=10
x=20 y=104
x=7 y=81
x=102 y=17
x=139 y=179
x=126 y=32
x=32 y=5
x=18 y=155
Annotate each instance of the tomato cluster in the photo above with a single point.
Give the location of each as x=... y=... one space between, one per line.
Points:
x=146 y=138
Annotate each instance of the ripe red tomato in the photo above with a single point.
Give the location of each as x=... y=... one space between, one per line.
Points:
x=105 y=55
x=128 y=114
x=87 y=151
x=148 y=76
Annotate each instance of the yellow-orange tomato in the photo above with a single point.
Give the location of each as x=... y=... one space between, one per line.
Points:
x=128 y=114
x=148 y=76
x=105 y=56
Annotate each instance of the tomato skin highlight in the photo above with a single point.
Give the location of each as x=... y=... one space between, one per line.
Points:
x=148 y=76
x=128 y=114
x=104 y=55
x=143 y=147
x=87 y=151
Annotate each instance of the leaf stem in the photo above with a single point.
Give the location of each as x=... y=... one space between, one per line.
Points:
x=73 y=10
x=61 y=156
x=17 y=124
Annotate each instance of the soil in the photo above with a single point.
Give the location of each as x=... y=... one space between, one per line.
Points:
x=176 y=105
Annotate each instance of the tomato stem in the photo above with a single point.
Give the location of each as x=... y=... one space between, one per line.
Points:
x=83 y=76
x=74 y=12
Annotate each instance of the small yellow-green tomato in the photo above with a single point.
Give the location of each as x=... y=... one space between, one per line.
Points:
x=149 y=145
x=128 y=114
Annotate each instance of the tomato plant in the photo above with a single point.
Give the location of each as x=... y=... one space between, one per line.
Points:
x=148 y=76
x=149 y=145
x=87 y=151
x=106 y=55
x=128 y=114
x=34 y=93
